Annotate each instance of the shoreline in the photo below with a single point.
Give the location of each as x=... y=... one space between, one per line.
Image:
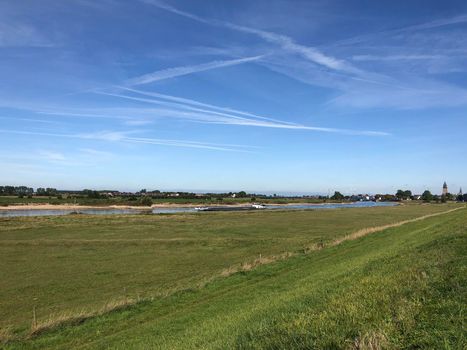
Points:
x=142 y=208
x=110 y=207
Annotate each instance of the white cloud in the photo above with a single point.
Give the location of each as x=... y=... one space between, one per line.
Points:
x=435 y=23
x=31 y=120
x=285 y=42
x=117 y=136
x=52 y=156
x=104 y=135
x=183 y=109
x=185 y=70
x=96 y=153
x=15 y=34
x=396 y=57
x=423 y=94
x=187 y=101
x=137 y=122
x=359 y=87
x=81 y=157
x=374 y=36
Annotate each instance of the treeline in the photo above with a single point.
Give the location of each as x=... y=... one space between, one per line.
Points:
x=427 y=196
x=46 y=191
x=95 y=194
x=401 y=195
x=189 y=195
x=16 y=191
x=26 y=191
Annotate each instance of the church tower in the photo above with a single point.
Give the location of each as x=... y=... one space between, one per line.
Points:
x=445 y=189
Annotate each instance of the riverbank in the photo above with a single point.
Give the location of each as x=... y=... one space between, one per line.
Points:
x=68 y=207
x=47 y=206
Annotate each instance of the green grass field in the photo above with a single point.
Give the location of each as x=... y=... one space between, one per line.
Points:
x=401 y=288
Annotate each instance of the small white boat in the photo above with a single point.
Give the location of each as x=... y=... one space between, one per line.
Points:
x=258 y=206
x=201 y=208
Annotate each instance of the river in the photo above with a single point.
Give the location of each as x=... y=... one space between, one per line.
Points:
x=182 y=209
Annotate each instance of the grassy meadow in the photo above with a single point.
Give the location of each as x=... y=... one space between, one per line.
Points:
x=385 y=288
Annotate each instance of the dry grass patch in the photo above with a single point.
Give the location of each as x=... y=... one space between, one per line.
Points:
x=74 y=318
x=371 y=341
x=250 y=265
x=6 y=335
x=369 y=230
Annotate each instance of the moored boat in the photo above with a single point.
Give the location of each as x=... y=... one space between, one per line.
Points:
x=201 y=208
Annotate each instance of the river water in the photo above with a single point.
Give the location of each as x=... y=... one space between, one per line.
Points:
x=181 y=209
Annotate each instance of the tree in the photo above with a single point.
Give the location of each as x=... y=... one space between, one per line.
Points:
x=46 y=191
x=15 y=190
x=427 y=196
x=400 y=194
x=146 y=201
x=92 y=194
x=337 y=196
x=241 y=194
x=40 y=191
x=403 y=194
x=23 y=190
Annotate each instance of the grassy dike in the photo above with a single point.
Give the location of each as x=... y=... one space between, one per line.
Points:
x=403 y=287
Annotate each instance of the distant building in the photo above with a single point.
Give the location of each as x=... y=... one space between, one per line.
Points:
x=445 y=189
x=361 y=198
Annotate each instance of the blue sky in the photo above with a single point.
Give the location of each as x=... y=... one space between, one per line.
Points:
x=263 y=96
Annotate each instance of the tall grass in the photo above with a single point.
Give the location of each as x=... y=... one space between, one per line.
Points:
x=75 y=318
